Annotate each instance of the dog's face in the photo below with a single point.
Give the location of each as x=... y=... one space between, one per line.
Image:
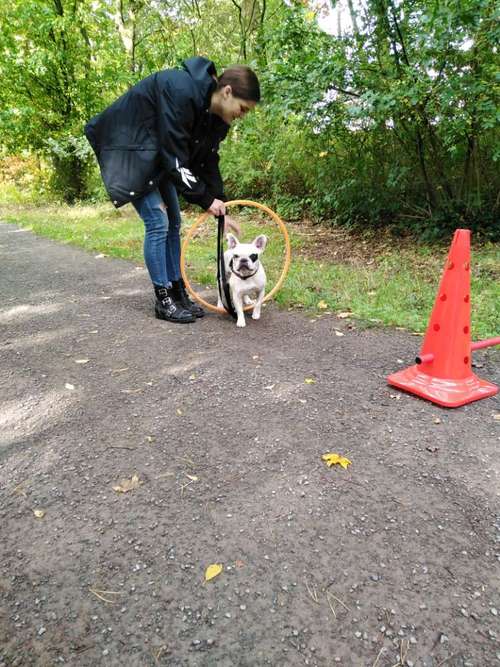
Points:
x=246 y=256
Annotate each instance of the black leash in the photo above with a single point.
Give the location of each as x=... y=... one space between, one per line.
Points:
x=222 y=284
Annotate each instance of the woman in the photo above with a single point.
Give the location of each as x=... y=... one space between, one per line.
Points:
x=161 y=138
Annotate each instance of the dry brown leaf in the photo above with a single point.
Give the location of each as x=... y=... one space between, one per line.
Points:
x=19 y=490
x=128 y=484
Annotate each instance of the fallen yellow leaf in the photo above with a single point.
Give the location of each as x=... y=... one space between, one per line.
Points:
x=331 y=459
x=344 y=315
x=179 y=412
x=81 y=361
x=322 y=305
x=128 y=484
x=70 y=386
x=310 y=381
x=39 y=514
x=212 y=571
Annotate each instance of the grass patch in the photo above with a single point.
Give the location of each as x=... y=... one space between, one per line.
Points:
x=395 y=286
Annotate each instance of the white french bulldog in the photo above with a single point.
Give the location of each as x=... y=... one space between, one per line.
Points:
x=245 y=275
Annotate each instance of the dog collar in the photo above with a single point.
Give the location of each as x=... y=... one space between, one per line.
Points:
x=239 y=274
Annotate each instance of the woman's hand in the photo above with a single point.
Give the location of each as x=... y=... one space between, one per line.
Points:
x=217 y=207
x=231 y=225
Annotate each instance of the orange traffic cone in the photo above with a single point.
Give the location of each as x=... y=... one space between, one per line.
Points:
x=443 y=372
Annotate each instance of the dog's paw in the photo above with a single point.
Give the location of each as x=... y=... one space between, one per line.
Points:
x=255 y=316
x=241 y=323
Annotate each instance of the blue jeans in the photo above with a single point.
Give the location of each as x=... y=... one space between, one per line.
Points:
x=161 y=215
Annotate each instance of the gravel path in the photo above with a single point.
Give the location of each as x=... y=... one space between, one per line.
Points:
x=393 y=561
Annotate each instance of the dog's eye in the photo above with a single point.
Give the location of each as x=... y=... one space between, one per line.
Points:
x=254 y=257
x=236 y=256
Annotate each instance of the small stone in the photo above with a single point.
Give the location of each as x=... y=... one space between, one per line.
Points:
x=243 y=607
x=227 y=615
x=357 y=634
x=428 y=661
x=105 y=651
x=464 y=612
x=41 y=631
x=494 y=611
x=443 y=639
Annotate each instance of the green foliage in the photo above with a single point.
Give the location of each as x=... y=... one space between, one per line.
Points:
x=398 y=121
x=393 y=123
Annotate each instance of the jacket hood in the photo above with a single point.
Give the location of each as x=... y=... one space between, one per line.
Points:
x=202 y=72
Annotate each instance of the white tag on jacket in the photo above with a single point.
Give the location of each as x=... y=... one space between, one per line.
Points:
x=185 y=173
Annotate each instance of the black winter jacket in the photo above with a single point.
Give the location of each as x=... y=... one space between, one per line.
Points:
x=162 y=127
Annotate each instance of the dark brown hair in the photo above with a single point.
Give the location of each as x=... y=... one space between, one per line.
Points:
x=243 y=81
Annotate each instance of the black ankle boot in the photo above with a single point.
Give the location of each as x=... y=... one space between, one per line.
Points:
x=183 y=298
x=168 y=307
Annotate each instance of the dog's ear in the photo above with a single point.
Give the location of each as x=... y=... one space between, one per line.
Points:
x=260 y=242
x=232 y=241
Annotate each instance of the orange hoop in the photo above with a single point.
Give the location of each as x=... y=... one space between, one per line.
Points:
x=201 y=220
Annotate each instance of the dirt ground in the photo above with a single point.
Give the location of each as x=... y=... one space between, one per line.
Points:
x=394 y=561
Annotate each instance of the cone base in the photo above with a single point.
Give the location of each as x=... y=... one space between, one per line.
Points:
x=448 y=393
